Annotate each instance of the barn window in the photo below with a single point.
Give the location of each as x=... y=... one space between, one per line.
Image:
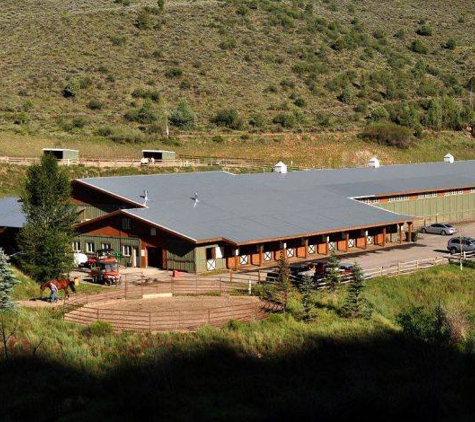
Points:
x=210 y=253
x=290 y=253
x=126 y=250
x=267 y=256
x=76 y=246
x=126 y=224
x=90 y=247
x=244 y=259
x=106 y=246
x=311 y=249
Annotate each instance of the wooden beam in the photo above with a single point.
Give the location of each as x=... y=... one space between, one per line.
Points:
x=409 y=232
x=347 y=241
x=261 y=253
x=305 y=244
x=400 y=233
x=384 y=236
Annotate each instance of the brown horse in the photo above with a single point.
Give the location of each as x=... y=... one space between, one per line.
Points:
x=62 y=284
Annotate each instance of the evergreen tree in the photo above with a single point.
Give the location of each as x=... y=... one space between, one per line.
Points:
x=45 y=241
x=356 y=305
x=307 y=288
x=333 y=276
x=183 y=116
x=283 y=277
x=7 y=281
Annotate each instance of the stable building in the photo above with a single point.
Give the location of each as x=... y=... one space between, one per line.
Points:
x=11 y=222
x=198 y=222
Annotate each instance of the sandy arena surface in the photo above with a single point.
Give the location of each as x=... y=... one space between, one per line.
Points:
x=182 y=303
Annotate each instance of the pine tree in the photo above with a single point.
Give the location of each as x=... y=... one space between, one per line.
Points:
x=283 y=277
x=333 y=276
x=356 y=305
x=7 y=281
x=45 y=241
x=307 y=288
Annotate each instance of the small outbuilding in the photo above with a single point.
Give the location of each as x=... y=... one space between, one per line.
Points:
x=158 y=155
x=67 y=155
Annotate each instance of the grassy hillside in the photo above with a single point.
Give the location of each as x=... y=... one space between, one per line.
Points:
x=278 y=369
x=114 y=68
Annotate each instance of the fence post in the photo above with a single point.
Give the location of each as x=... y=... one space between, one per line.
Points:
x=97 y=314
x=209 y=316
x=417 y=264
x=381 y=272
x=126 y=289
x=220 y=286
x=258 y=276
x=249 y=287
x=150 y=321
x=196 y=285
x=398 y=267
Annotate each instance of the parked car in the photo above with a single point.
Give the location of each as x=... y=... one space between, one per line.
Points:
x=467 y=245
x=439 y=228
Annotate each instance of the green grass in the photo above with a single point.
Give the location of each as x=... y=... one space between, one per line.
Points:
x=276 y=369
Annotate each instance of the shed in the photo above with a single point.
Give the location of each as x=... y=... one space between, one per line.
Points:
x=62 y=154
x=158 y=154
x=280 y=167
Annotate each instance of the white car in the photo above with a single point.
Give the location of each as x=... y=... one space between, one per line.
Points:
x=439 y=228
x=79 y=259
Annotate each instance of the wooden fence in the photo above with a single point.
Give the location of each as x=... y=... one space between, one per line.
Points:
x=85 y=309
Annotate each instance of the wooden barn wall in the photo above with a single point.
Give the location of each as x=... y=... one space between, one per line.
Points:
x=451 y=208
x=95 y=203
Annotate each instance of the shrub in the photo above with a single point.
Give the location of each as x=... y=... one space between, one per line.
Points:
x=85 y=82
x=118 y=40
x=257 y=120
x=228 y=44
x=424 y=30
x=161 y=4
x=419 y=47
x=387 y=133
x=94 y=104
x=151 y=94
x=143 y=20
x=378 y=114
x=99 y=329
x=174 y=72
x=78 y=122
x=217 y=139
x=71 y=89
x=286 y=120
x=228 y=118
x=27 y=105
x=183 y=116
x=450 y=44
x=144 y=114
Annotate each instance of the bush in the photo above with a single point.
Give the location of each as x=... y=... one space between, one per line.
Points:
x=183 y=116
x=424 y=30
x=286 y=120
x=174 y=72
x=450 y=44
x=71 y=89
x=145 y=114
x=388 y=134
x=151 y=94
x=78 y=122
x=94 y=104
x=143 y=20
x=118 y=40
x=99 y=329
x=217 y=139
x=419 y=47
x=228 y=118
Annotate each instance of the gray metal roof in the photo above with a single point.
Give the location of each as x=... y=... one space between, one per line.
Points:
x=11 y=214
x=246 y=208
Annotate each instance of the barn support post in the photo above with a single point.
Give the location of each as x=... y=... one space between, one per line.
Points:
x=400 y=233
x=347 y=241
x=261 y=253
x=305 y=244
x=409 y=232
x=384 y=237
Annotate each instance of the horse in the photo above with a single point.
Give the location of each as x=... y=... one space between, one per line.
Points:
x=62 y=284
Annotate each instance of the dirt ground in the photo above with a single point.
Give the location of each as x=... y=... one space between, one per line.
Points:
x=181 y=303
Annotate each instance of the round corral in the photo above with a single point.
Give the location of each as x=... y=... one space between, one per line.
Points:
x=175 y=313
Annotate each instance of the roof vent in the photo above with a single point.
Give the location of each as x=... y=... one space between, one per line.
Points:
x=374 y=163
x=280 y=167
x=449 y=158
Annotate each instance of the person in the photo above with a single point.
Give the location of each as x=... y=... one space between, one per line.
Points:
x=54 y=293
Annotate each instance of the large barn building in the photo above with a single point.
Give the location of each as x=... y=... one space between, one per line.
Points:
x=200 y=222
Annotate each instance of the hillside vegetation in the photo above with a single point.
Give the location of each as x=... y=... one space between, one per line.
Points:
x=284 y=368
x=116 y=68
